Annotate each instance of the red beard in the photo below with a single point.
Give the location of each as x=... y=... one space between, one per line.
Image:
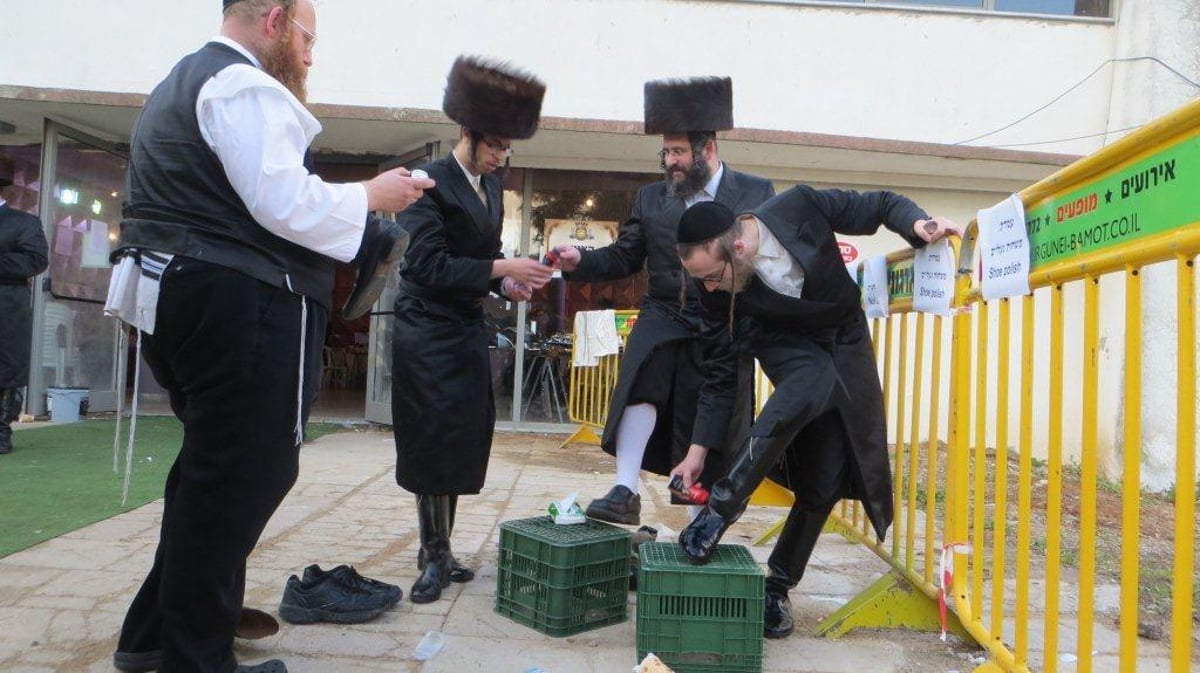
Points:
x=285 y=65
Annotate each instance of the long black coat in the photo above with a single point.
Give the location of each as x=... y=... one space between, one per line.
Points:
x=648 y=238
x=23 y=255
x=443 y=412
x=816 y=350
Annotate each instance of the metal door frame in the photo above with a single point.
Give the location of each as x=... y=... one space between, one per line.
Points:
x=36 y=391
x=374 y=408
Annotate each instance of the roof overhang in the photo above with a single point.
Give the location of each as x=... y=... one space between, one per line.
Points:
x=377 y=133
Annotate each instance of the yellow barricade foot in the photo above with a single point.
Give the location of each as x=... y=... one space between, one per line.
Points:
x=834 y=524
x=584 y=434
x=770 y=533
x=890 y=603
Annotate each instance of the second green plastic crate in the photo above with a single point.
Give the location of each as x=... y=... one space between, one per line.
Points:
x=700 y=619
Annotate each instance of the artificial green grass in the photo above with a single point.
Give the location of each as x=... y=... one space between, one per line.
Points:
x=60 y=478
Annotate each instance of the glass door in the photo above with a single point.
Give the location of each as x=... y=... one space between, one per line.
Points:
x=75 y=345
x=379 y=343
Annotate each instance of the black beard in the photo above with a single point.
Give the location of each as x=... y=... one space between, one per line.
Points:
x=694 y=179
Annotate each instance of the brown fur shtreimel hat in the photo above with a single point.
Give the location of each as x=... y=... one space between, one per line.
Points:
x=685 y=105
x=493 y=98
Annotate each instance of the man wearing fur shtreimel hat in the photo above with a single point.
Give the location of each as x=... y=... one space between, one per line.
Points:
x=652 y=422
x=442 y=408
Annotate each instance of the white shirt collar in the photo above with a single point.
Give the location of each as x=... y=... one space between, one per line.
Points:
x=2 y=202
x=473 y=179
x=768 y=246
x=233 y=44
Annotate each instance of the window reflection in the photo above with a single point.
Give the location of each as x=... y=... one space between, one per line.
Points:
x=77 y=342
x=585 y=209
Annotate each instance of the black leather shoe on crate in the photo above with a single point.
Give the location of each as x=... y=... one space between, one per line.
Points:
x=619 y=505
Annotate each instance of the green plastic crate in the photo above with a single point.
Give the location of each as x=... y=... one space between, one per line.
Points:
x=562 y=580
x=700 y=619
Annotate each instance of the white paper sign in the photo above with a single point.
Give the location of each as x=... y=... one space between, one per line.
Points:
x=933 y=284
x=95 y=246
x=875 y=287
x=1004 y=249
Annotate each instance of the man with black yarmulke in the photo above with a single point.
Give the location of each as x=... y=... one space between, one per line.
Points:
x=775 y=282
x=652 y=422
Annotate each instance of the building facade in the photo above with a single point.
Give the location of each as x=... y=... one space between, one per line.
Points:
x=956 y=103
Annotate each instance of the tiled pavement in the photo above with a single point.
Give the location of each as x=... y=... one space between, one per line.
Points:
x=61 y=602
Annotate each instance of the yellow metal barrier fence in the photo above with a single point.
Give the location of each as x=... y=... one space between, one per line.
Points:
x=1018 y=563
x=1046 y=598
x=911 y=350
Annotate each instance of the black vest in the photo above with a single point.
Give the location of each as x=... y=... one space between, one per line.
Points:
x=180 y=202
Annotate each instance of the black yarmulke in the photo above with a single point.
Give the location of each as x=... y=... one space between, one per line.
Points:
x=703 y=222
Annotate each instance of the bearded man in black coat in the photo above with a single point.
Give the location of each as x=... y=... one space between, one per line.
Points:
x=652 y=422
x=776 y=285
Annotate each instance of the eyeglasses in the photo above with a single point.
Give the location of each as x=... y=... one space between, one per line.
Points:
x=676 y=152
x=310 y=38
x=715 y=277
x=498 y=147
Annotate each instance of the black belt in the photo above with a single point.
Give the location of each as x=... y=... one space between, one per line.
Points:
x=463 y=304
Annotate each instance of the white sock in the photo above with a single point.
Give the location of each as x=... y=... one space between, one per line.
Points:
x=633 y=433
x=694 y=511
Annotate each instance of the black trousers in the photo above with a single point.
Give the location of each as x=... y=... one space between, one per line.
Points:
x=227 y=349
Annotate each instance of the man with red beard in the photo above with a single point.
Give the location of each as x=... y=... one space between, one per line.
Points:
x=652 y=421
x=225 y=265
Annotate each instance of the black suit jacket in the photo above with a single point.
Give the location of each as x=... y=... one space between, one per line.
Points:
x=826 y=322
x=453 y=238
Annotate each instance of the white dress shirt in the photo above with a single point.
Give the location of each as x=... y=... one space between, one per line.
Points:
x=774 y=264
x=475 y=180
x=710 y=189
x=260 y=133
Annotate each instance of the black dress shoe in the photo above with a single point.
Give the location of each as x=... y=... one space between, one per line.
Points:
x=272 y=666
x=383 y=245
x=137 y=662
x=330 y=601
x=347 y=576
x=699 y=540
x=619 y=505
x=777 y=616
